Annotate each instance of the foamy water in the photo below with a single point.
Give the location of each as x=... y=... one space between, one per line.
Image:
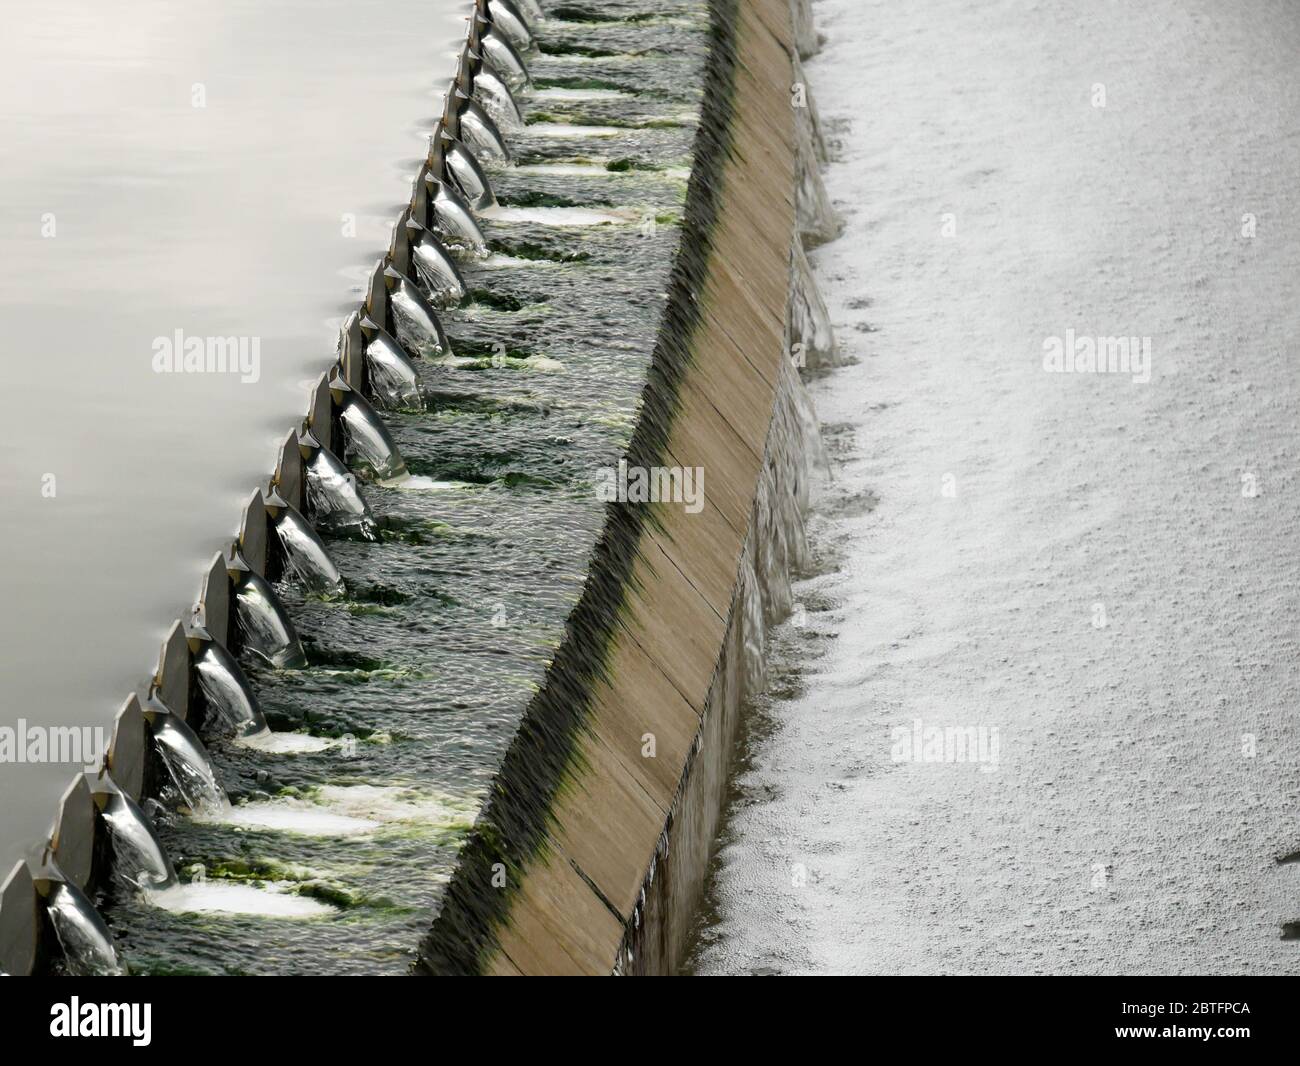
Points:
x=273 y=900
x=563 y=129
x=1100 y=570
x=564 y=170
x=346 y=810
x=577 y=95
x=557 y=216
x=287 y=743
x=290 y=816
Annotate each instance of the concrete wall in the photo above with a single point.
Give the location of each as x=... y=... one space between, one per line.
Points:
x=591 y=853
x=606 y=876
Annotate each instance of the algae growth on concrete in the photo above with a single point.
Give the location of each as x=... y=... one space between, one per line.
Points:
x=419 y=676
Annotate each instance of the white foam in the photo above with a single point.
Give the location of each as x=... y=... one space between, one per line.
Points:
x=295 y=816
x=565 y=129
x=510 y=262
x=287 y=743
x=565 y=170
x=394 y=804
x=420 y=483
x=346 y=811
x=224 y=897
x=554 y=216
x=579 y=94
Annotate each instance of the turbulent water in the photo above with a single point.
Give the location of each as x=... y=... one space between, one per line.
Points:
x=232 y=216
x=1096 y=572
x=417 y=678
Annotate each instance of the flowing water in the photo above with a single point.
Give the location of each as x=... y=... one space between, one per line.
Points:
x=84 y=939
x=1095 y=571
x=138 y=856
x=343 y=821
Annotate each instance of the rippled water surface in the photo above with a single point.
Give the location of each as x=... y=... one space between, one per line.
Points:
x=418 y=676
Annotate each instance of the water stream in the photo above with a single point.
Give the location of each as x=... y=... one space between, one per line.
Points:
x=458 y=574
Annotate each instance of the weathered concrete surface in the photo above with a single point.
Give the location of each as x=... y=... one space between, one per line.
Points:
x=129 y=748
x=580 y=895
x=19 y=921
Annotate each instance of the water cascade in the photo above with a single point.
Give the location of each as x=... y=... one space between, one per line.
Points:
x=468 y=173
x=435 y=266
x=497 y=98
x=138 y=854
x=333 y=500
x=512 y=23
x=809 y=321
x=414 y=322
x=264 y=626
x=393 y=377
x=505 y=58
x=480 y=132
x=303 y=548
x=452 y=217
x=231 y=704
x=84 y=939
x=186 y=759
x=368 y=448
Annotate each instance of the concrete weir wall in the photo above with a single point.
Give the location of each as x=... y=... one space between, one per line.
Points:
x=590 y=855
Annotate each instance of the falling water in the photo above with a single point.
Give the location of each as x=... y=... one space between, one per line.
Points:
x=137 y=852
x=265 y=628
x=333 y=499
x=506 y=59
x=228 y=693
x=305 y=552
x=753 y=630
x=369 y=448
x=454 y=222
x=83 y=936
x=438 y=270
x=810 y=322
x=468 y=173
x=511 y=22
x=188 y=764
x=416 y=324
x=394 y=381
x=498 y=101
x=794 y=445
x=482 y=134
